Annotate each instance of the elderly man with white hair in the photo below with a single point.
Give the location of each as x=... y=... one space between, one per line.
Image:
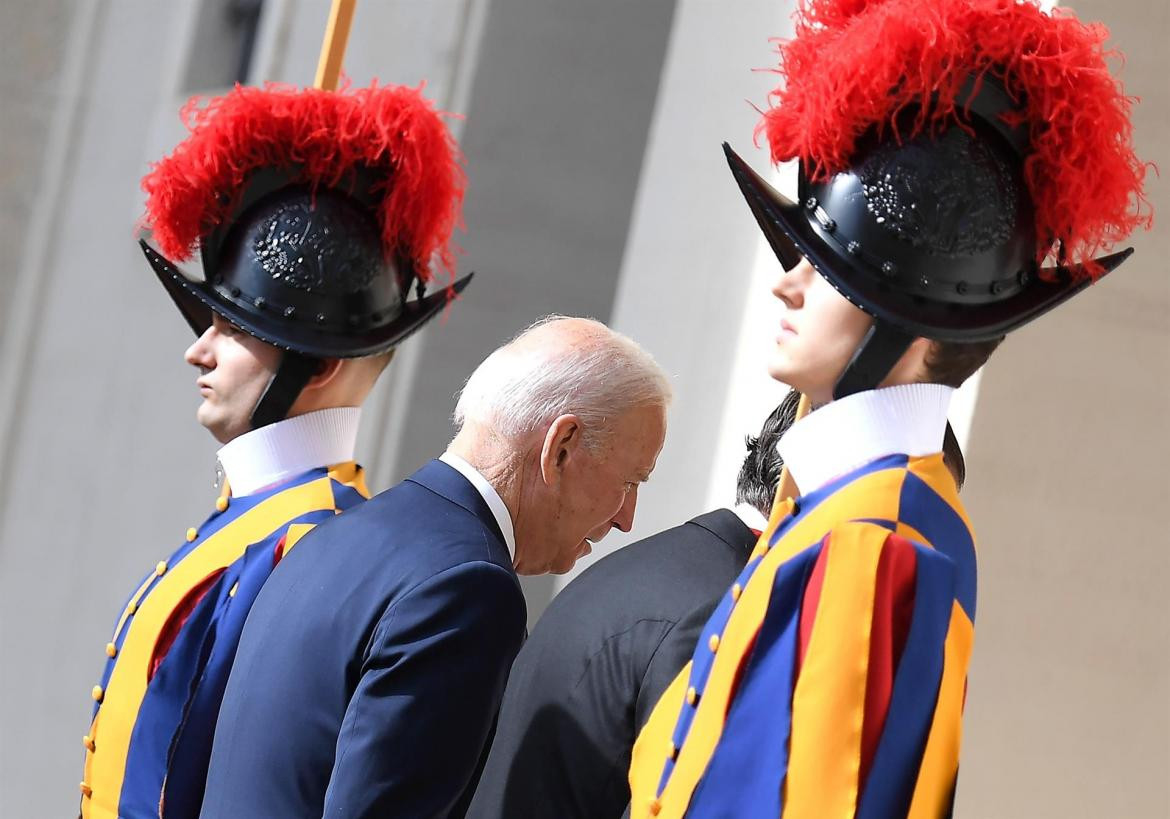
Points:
x=373 y=661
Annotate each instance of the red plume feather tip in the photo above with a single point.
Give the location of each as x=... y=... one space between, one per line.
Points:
x=326 y=134
x=854 y=64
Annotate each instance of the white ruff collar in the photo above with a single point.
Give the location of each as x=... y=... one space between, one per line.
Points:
x=280 y=451
x=843 y=435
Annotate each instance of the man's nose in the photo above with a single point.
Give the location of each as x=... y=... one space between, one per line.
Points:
x=199 y=354
x=624 y=519
x=789 y=286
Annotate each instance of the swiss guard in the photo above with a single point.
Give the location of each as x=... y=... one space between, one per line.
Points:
x=962 y=166
x=317 y=216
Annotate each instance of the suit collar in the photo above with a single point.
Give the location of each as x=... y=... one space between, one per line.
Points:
x=726 y=525
x=443 y=479
x=491 y=497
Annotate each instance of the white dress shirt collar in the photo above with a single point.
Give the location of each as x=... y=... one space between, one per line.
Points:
x=277 y=452
x=846 y=434
x=750 y=516
x=489 y=494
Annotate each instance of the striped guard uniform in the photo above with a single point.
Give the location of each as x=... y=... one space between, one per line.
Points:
x=830 y=680
x=149 y=743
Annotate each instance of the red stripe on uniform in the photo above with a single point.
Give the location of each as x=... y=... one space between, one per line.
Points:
x=808 y=608
x=893 y=608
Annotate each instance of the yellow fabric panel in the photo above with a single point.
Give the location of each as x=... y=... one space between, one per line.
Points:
x=940 y=761
x=828 y=705
x=128 y=681
x=873 y=496
x=653 y=745
x=931 y=469
x=781 y=509
x=350 y=474
x=293 y=535
x=910 y=533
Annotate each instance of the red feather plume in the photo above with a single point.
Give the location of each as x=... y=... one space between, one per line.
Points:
x=855 y=64
x=326 y=134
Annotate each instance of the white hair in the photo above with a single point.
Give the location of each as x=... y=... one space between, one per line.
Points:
x=590 y=371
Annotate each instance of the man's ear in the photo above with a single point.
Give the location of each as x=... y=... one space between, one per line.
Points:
x=911 y=367
x=327 y=370
x=561 y=444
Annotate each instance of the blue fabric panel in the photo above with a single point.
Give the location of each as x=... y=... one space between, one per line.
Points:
x=345 y=497
x=923 y=508
x=701 y=664
x=190 y=747
x=745 y=775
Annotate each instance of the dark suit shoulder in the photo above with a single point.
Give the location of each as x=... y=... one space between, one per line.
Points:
x=409 y=532
x=574 y=698
x=663 y=575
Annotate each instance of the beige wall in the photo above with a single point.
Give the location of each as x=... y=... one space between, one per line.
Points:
x=1068 y=713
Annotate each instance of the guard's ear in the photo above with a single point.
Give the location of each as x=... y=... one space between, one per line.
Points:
x=561 y=444
x=911 y=365
x=327 y=370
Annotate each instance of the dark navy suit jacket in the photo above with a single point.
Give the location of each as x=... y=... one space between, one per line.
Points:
x=372 y=663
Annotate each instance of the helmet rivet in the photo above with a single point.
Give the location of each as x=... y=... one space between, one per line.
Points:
x=235 y=291
x=289 y=311
x=259 y=302
x=889 y=269
x=854 y=248
x=924 y=282
x=1023 y=277
x=811 y=203
x=320 y=318
x=962 y=288
x=996 y=288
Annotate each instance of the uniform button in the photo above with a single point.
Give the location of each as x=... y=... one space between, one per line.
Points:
x=692 y=696
x=161 y=568
x=655 y=807
x=111 y=650
x=713 y=643
x=192 y=533
x=97 y=693
x=86 y=790
x=221 y=504
x=88 y=742
x=133 y=607
x=736 y=591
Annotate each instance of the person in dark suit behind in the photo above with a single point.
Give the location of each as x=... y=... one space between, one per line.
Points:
x=372 y=663
x=609 y=644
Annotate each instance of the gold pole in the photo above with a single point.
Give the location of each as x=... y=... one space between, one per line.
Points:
x=787 y=487
x=333 y=49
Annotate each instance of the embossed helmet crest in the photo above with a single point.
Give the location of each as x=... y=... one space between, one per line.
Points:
x=961 y=163
x=314 y=212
